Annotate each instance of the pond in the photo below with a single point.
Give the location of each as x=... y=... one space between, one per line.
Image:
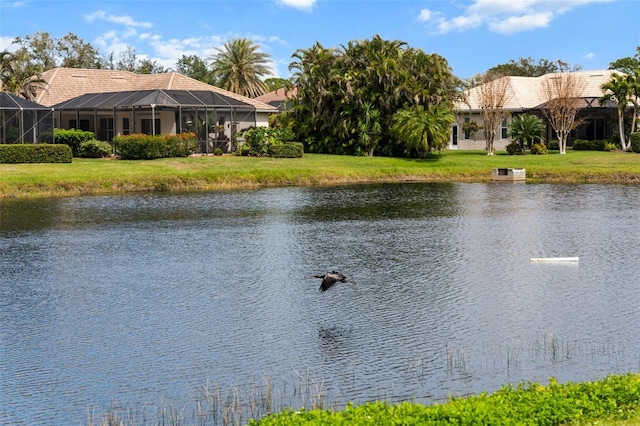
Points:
x=138 y=302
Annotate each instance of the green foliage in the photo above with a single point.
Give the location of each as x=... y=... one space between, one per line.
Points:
x=217 y=151
x=612 y=398
x=287 y=150
x=422 y=130
x=259 y=140
x=634 y=139
x=94 y=149
x=514 y=148
x=73 y=138
x=340 y=88
x=538 y=149
x=597 y=145
x=35 y=153
x=553 y=145
x=148 y=147
x=526 y=128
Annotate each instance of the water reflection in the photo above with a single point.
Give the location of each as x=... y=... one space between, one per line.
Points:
x=148 y=296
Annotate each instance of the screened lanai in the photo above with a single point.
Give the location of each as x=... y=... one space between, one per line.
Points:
x=23 y=121
x=215 y=118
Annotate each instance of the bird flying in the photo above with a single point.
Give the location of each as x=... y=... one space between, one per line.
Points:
x=329 y=279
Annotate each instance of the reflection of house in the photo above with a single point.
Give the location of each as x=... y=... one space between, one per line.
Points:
x=23 y=121
x=524 y=95
x=112 y=102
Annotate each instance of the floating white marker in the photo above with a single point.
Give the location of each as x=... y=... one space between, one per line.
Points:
x=555 y=259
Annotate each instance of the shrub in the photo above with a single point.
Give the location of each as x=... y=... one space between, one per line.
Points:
x=94 y=149
x=73 y=138
x=514 y=148
x=538 y=149
x=634 y=140
x=35 y=153
x=147 y=147
x=581 y=145
x=553 y=145
x=217 y=151
x=287 y=150
x=259 y=140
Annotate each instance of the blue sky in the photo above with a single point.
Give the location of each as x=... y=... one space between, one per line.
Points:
x=472 y=35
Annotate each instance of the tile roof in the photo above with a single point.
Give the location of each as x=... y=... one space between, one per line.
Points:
x=63 y=84
x=524 y=92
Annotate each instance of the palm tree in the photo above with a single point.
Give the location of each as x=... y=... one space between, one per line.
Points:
x=423 y=129
x=369 y=128
x=18 y=76
x=239 y=67
x=620 y=89
x=526 y=128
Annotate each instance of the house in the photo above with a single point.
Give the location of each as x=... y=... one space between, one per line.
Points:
x=114 y=102
x=279 y=98
x=525 y=95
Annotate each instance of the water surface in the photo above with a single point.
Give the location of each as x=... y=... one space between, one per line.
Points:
x=141 y=299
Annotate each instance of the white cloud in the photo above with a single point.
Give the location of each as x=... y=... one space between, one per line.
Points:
x=425 y=15
x=127 y=21
x=305 y=5
x=514 y=24
x=504 y=16
x=6 y=44
x=589 y=55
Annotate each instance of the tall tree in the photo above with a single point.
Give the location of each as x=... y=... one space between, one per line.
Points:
x=195 y=67
x=492 y=97
x=561 y=102
x=239 y=66
x=631 y=67
x=40 y=50
x=526 y=128
x=620 y=89
x=274 y=83
x=338 y=87
x=76 y=53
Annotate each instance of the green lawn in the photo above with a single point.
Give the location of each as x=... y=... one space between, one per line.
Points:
x=95 y=176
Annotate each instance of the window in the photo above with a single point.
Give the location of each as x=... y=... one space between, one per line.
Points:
x=504 y=129
x=467 y=134
x=145 y=123
x=454 y=136
x=125 y=126
x=84 y=125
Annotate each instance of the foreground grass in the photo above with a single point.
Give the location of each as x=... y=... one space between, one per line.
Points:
x=614 y=400
x=90 y=176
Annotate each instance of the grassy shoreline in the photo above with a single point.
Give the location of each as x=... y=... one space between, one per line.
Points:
x=206 y=173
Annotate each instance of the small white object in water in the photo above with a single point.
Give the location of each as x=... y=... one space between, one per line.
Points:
x=555 y=259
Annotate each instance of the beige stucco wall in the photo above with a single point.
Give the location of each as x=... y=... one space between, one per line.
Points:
x=477 y=141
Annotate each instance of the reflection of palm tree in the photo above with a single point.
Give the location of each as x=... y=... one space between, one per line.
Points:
x=239 y=67
x=526 y=128
x=18 y=76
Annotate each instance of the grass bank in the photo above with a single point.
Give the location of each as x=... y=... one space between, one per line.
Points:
x=96 y=176
x=611 y=401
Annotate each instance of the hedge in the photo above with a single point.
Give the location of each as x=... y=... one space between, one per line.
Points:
x=35 y=153
x=287 y=150
x=148 y=147
x=73 y=138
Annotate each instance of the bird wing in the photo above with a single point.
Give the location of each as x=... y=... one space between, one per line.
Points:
x=327 y=282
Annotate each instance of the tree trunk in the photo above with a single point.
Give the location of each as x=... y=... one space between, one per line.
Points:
x=621 y=129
